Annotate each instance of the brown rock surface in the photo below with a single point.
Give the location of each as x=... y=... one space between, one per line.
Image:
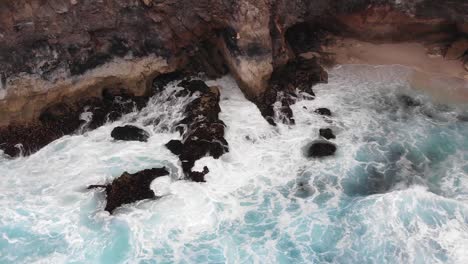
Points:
x=54 y=51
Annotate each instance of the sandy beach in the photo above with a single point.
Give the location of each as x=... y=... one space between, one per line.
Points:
x=445 y=79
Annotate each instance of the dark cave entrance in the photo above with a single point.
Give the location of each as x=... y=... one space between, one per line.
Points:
x=304 y=37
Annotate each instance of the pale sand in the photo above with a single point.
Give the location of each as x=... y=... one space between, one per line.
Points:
x=444 y=79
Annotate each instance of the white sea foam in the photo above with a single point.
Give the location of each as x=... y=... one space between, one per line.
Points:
x=396 y=191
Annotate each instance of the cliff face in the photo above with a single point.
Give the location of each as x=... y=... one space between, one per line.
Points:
x=64 y=50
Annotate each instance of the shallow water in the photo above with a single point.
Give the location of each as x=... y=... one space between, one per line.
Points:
x=396 y=191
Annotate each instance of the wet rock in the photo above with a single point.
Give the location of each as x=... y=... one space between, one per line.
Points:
x=65 y=118
x=321 y=148
x=199 y=176
x=130 y=133
x=323 y=111
x=129 y=188
x=192 y=86
x=408 y=101
x=202 y=131
x=160 y=82
x=300 y=74
x=327 y=133
x=175 y=146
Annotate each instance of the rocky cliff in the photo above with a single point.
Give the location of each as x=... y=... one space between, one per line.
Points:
x=64 y=51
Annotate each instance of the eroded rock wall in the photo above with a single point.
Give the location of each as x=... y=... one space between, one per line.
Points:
x=56 y=49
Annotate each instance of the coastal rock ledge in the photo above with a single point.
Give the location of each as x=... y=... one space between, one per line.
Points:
x=64 y=55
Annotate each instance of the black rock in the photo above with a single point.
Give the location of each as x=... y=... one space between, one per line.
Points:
x=327 y=133
x=129 y=188
x=130 y=133
x=197 y=176
x=195 y=86
x=408 y=101
x=160 y=82
x=323 y=111
x=321 y=148
x=175 y=146
x=204 y=131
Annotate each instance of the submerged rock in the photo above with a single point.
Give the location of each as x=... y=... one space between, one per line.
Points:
x=408 y=101
x=129 y=188
x=327 y=133
x=321 y=148
x=323 y=111
x=130 y=133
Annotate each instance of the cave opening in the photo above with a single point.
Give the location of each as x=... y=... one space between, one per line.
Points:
x=305 y=37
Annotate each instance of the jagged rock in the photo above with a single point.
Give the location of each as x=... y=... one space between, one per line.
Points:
x=321 y=148
x=202 y=132
x=130 y=133
x=199 y=176
x=327 y=133
x=67 y=51
x=129 y=188
x=64 y=118
x=160 y=82
x=193 y=86
x=175 y=146
x=300 y=74
x=323 y=111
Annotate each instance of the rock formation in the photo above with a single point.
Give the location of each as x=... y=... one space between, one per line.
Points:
x=327 y=133
x=129 y=133
x=58 y=51
x=66 y=117
x=202 y=131
x=129 y=188
x=321 y=148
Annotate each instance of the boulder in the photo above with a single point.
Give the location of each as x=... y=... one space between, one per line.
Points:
x=327 y=133
x=130 y=133
x=321 y=148
x=129 y=188
x=175 y=146
x=323 y=111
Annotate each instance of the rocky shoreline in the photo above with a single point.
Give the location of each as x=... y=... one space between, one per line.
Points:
x=68 y=67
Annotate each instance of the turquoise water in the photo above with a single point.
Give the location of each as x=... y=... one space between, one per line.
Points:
x=396 y=192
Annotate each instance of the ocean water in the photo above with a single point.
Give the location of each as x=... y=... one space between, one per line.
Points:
x=395 y=192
